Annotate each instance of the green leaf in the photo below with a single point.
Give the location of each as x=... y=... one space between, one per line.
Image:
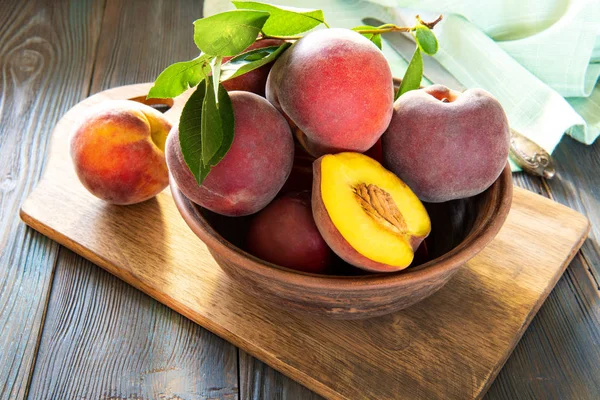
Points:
x=285 y=21
x=251 y=60
x=228 y=33
x=413 y=75
x=426 y=40
x=215 y=65
x=227 y=125
x=212 y=132
x=191 y=131
x=179 y=77
x=373 y=37
x=377 y=40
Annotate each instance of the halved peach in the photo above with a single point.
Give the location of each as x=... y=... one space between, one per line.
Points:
x=366 y=214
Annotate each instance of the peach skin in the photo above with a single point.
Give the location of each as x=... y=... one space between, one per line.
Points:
x=118 y=151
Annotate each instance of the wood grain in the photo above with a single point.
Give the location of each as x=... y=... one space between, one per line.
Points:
x=450 y=345
x=129 y=345
x=259 y=381
x=46 y=58
x=578 y=186
x=553 y=358
x=557 y=357
x=111 y=341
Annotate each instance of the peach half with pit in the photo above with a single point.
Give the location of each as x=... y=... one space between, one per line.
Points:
x=366 y=214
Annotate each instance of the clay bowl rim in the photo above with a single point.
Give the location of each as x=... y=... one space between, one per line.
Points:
x=473 y=243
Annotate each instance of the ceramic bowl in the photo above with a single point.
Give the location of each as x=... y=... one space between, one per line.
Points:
x=460 y=230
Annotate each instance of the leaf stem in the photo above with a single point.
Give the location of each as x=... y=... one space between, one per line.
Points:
x=216 y=75
x=382 y=29
x=263 y=37
x=431 y=24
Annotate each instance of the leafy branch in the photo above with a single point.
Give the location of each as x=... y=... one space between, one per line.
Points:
x=207 y=121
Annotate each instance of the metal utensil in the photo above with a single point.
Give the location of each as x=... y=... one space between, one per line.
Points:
x=527 y=154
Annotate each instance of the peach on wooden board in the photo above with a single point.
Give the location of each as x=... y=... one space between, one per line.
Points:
x=255 y=80
x=118 y=151
x=336 y=87
x=284 y=233
x=445 y=144
x=253 y=170
x=366 y=214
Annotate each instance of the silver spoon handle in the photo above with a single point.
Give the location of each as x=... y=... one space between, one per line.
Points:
x=530 y=156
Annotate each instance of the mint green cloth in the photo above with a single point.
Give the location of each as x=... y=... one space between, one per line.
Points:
x=539 y=58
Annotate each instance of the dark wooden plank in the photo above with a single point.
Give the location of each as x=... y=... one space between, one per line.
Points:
x=102 y=337
x=46 y=53
x=578 y=186
x=558 y=357
x=140 y=38
x=259 y=381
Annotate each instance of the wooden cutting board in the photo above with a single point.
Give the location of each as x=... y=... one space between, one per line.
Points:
x=451 y=345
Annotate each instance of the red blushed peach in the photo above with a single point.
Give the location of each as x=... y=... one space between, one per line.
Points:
x=375 y=152
x=284 y=233
x=253 y=170
x=118 y=151
x=256 y=80
x=336 y=86
x=447 y=145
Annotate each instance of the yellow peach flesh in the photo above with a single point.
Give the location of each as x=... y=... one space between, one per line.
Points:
x=370 y=235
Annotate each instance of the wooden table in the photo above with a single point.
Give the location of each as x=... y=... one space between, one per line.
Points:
x=69 y=330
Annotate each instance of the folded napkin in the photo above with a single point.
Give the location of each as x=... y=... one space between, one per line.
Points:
x=539 y=58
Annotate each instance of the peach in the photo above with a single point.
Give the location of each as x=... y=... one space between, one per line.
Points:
x=284 y=233
x=301 y=176
x=336 y=87
x=447 y=145
x=375 y=152
x=255 y=80
x=253 y=170
x=118 y=151
x=366 y=214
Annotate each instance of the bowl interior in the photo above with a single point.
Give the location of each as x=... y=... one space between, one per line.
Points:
x=452 y=222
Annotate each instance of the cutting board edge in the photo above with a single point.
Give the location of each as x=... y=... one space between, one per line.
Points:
x=541 y=300
x=255 y=351
x=204 y=322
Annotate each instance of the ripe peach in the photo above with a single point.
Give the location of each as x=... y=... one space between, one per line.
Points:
x=253 y=170
x=301 y=176
x=256 y=80
x=118 y=151
x=368 y=216
x=375 y=152
x=447 y=145
x=336 y=87
x=284 y=233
